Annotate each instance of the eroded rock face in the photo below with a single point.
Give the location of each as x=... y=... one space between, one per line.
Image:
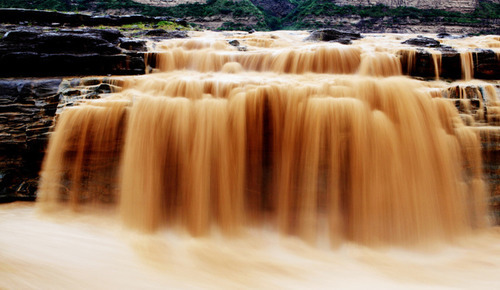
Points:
x=66 y=52
x=27 y=109
x=479 y=109
x=16 y=15
x=367 y=24
x=138 y=45
x=453 y=5
x=486 y=64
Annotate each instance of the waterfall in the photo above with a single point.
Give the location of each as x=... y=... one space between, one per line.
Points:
x=319 y=141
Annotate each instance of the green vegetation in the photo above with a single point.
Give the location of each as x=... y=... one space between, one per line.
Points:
x=242 y=26
x=243 y=8
x=240 y=9
x=487 y=10
x=233 y=26
x=300 y=18
x=167 y=25
x=272 y=22
x=135 y=26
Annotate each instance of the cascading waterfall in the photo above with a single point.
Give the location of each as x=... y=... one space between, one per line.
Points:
x=321 y=141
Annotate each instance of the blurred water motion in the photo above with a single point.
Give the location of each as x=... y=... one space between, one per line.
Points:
x=286 y=135
x=91 y=251
x=237 y=162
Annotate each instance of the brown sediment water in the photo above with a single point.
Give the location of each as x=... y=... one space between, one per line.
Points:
x=84 y=165
x=409 y=54
x=187 y=156
x=326 y=143
x=437 y=61
x=467 y=61
x=303 y=138
x=89 y=250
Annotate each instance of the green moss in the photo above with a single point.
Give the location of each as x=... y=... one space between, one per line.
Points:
x=134 y=26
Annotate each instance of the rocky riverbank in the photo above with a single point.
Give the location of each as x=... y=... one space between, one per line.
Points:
x=40 y=69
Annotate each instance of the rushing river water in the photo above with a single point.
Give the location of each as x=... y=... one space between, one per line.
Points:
x=283 y=164
x=70 y=251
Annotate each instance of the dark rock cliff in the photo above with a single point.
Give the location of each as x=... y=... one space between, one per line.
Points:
x=28 y=105
x=27 y=109
x=34 y=52
x=16 y=15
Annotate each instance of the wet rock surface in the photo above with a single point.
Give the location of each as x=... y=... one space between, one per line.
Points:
x=490 y=149
x=333 y=35
x=422 y=41
x=138 y=45
x=479 y=109
x=30 y=98
x=27 y=109
x=423 y=64
x=486 y=64
x=67 y=52
x=234 y=42
x=237 y=44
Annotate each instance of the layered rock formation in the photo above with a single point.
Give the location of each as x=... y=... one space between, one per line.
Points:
x=33 y=52
x=28 y=106
x=476 y=103
x=41 y=17
x=27 y=110
x=401 y=24
x=169 y=3
x=279 y=6
x=422 y=63
x=454 y=5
